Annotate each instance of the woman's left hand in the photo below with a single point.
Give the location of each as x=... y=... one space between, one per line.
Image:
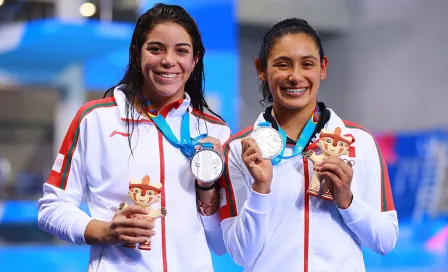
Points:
x=340 y=174
x=217 y=146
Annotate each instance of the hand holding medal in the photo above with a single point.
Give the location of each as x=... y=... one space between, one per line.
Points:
x=207 y=164
x=257 y=152
x=270 y=144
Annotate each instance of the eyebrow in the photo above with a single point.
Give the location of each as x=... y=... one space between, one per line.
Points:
x=288 y=58
x=161 y=44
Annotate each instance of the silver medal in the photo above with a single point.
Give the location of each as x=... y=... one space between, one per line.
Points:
x=207 y=165
x=269 y=141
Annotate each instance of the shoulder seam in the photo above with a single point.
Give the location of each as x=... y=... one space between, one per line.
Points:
x=83 y=112
x=356 y=126
x=95 y=104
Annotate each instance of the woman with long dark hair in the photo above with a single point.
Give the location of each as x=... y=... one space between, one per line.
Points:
x=134 y=155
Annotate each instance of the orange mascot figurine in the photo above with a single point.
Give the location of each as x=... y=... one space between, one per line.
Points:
x=330 y=144
x=144 y=193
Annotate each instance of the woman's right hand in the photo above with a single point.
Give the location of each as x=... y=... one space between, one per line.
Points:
x=259 y=168
x=121 y=229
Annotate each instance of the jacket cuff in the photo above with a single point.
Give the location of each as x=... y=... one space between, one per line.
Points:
x=211 y=221
x=258 y=202
x=79 y=229
x=357 y=210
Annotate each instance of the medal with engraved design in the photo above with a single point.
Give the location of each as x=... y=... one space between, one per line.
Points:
x=207 y=165
x=268 y=139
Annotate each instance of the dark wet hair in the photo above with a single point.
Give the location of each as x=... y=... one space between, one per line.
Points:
x=278 y=31
x=133 y=77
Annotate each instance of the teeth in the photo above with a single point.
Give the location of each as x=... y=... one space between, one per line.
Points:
x=296 y=91
x=167 y=75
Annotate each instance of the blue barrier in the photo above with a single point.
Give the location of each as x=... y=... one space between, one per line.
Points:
x=410 y=254
x=70 y=258
x=23 y=212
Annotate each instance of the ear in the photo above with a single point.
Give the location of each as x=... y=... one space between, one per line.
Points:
x=323 y=68
x=195 y=61
x=260 y=70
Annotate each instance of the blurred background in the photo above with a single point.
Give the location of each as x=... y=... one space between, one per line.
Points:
x=387 y=71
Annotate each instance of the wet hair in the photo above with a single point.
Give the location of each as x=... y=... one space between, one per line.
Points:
x=133 y=77
x=278 y=31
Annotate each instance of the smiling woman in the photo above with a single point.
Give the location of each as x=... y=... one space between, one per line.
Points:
x=273 y=203
x=158 y=111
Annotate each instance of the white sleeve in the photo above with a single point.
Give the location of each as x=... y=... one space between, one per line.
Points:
x=212 y=226
x=372 y=216
x=59 y=212
x=244 y=213
x=213 y=233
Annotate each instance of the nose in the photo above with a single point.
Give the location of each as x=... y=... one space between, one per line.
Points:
x=335 y=143
x=143 y=193
x=168 y=60
x=296 y=76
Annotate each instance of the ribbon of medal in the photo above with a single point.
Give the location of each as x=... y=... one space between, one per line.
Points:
x=185 y=144
x=306 y=134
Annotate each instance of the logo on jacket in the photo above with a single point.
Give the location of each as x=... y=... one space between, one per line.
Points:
x=57 y=166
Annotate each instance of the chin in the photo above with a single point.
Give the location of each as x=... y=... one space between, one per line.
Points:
x=168 y=91
x=295 y=105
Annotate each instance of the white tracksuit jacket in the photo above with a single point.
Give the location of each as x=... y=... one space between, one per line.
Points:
x=94 y=162
x=288 y=230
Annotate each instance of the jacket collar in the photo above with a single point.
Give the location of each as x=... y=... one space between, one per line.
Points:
x=175 y=109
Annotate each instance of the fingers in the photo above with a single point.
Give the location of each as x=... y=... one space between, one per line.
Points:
x=246 y=143
x=337 y=171
x=217 y=146
x=134 y=209
x=328 y=175
x=338 y=167
x=338 y=161
x=333 y=168
x=133 y=223
x=249 y=147
x=135 y=232
x=253 y=159
x=211 y=140
x=252 y=154
x=133 y=240
x=132 y=230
